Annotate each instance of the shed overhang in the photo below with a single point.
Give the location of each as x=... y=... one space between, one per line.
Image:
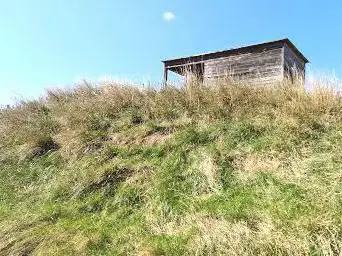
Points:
x=177 y=65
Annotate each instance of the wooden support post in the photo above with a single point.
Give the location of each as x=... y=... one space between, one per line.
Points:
x=165 y=76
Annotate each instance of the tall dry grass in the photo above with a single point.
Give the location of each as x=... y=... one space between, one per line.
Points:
x=81 y=117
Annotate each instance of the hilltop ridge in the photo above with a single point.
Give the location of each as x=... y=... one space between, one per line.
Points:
x=228 y=169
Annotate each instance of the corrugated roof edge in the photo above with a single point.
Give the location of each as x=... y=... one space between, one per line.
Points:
x=284 y=41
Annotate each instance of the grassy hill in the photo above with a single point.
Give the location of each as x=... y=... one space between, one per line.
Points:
x=227 y=169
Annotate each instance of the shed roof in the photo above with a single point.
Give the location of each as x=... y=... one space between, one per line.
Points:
x=218 y=54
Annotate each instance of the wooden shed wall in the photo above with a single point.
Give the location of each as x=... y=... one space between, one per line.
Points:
x=264 y=66
x=292 y=63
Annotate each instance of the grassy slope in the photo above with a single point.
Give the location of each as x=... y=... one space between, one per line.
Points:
x=220 y=170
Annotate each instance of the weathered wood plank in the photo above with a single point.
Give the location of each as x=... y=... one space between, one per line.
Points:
x=291 y=58
x=266 y=64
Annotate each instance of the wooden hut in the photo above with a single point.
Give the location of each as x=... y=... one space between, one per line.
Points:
x=261 y=63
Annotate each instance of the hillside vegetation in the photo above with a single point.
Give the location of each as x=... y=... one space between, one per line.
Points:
x=228 y=169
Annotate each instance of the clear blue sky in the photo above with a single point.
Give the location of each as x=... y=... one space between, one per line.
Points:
x=47 y=43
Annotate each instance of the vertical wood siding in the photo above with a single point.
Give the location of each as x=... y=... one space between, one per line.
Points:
x=293 y=65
